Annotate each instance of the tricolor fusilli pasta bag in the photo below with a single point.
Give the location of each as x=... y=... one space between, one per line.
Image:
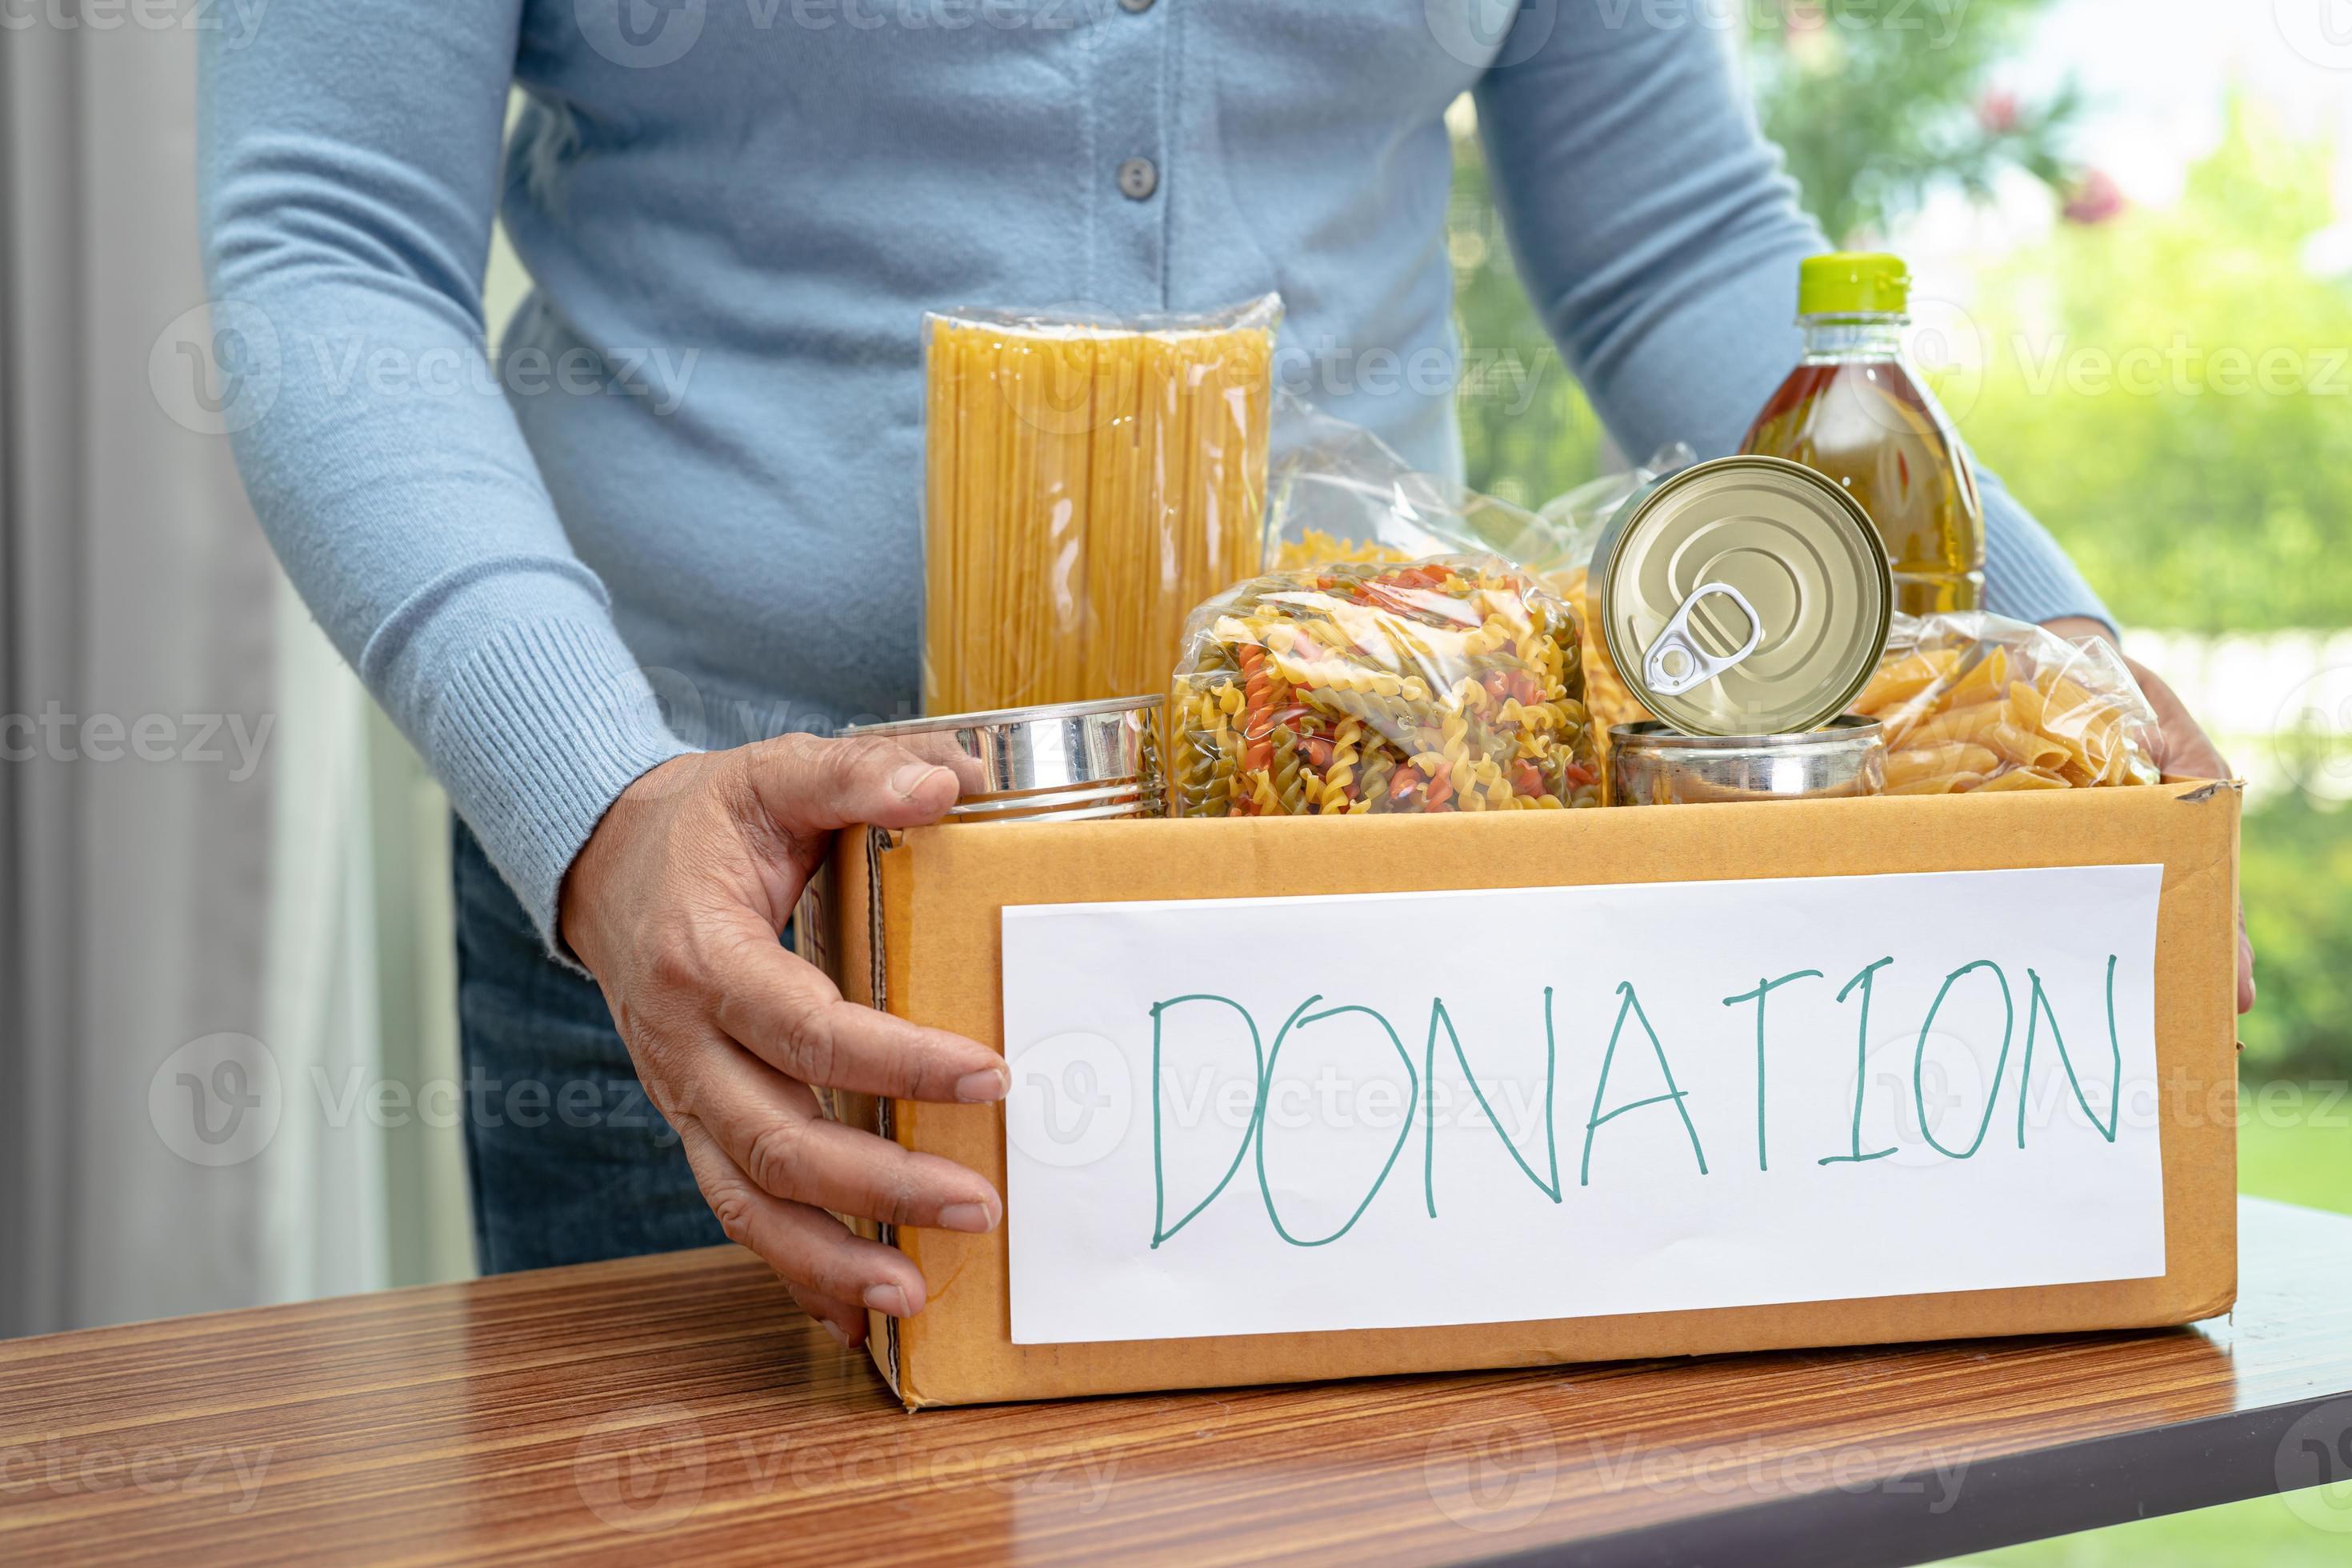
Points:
x=1971 y=702
x=1341 y=494
x=1450 y=683
x=1577 y=517
x=1087 y=483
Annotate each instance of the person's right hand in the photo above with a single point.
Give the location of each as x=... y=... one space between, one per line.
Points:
x=675 y=905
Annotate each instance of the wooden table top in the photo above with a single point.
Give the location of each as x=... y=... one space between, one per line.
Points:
x=676 y=1405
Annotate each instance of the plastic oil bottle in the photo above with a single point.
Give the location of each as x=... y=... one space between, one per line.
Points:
x=1856 y=410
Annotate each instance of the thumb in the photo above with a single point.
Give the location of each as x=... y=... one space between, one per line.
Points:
x=808 y=786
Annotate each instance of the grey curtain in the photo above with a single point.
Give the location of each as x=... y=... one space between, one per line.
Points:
x=136 y=632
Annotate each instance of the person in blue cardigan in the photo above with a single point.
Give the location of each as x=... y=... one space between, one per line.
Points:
x=617 y=578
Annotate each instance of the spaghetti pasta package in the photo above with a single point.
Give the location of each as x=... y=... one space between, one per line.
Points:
x=1451 y=683
x=1086 y=484
x=1971 y=702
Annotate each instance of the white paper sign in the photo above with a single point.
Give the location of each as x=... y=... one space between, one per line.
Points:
x=1264 y=1115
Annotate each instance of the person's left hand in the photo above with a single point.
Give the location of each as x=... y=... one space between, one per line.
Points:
x=2183 y=751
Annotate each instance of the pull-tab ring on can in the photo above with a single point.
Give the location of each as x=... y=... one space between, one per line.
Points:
x=1792 y=549
x=1674 y=662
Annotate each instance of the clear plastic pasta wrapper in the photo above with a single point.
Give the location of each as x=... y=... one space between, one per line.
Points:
x=1449 y=683
x=1576 y=517
x=1972 y=702
x=1339 y=493
x=1087 y=483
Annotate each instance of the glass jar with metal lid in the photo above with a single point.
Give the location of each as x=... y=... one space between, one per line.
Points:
x=1747 y=596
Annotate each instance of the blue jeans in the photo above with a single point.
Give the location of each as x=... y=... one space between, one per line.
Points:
x=568 y=1159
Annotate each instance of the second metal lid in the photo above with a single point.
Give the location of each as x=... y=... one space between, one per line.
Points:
x=1744 y=597
x=1060 y=746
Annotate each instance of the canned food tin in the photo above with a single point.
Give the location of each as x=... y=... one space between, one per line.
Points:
x=1070 y=762
x=1651 y=763
x=1744 y=597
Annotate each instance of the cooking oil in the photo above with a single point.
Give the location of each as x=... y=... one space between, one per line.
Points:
x=1855 y=410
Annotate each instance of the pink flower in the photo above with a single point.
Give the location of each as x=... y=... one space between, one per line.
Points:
x=2094 y=198
x=1997 y=112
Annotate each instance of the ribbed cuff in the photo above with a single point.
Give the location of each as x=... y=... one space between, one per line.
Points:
x=2028 y=577
x=536 y=732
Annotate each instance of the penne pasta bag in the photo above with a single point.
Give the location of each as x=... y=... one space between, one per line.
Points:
x=1087 y=483
x=1451 y=683
x=1975 y=701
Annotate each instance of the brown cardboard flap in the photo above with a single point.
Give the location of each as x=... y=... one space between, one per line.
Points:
x=943 y=890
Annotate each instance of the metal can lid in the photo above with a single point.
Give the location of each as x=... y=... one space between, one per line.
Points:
x=1009 y=718
x=1743 y=596
x=1062 y=745
x=1847 y=730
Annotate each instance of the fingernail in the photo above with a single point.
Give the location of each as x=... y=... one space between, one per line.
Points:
x=840 y=1335
x=887 y=1299
x=985 y=1086
x=973 y=1217
x=910 y=779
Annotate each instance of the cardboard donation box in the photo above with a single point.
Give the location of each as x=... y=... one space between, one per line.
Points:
x=1315 y=1098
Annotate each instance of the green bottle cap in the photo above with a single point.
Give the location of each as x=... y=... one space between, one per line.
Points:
x=1853 y=283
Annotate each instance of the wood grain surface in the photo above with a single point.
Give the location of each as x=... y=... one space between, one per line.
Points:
x=676 y=1407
